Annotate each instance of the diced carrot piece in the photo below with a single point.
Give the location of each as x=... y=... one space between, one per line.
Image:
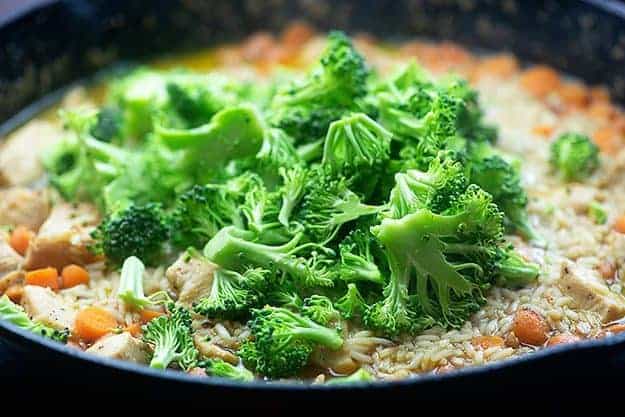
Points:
x=602 y=111
x=540 y=80
x=148 y=315
x=486 y=342
x=607 y=139
x=530 y=327
x=543 y=130
x=134 y=329
x=258 y=47
x=94 y=322
x=44 y=277
x=607 y=270
x=500 y=66
x=616 y=328
x=15 y=292
x=619 y=226
x=20 y=239
x=574 y=94
x=296 y=34
x=562 y=338
x=73 y=275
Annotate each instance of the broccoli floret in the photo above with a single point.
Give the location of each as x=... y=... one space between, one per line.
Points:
x=137 y=230
x=512 y=270
x=305 y=124
x=320 y=309
x=108 y=124
x=232 y=247
x=261 y=210
x=222 y=369
x=435 y=188
x=361 y=376
x=283 y=341
x=355 y=143
x=597 y=213
x=195 y=98
x=357 y=263
x=233 y=295
x=445 y=257
x=234 y=132
x=130 y=289
x=276 y=152
x=499 y=178
x=340 y=78
x=352 y=304
x=16 y=315
x=292 y=190
x=171 y=339
x=574 y=156
x=203 y=210
x=470 y=121
x=328 y=203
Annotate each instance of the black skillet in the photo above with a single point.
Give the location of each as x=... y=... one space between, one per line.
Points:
x=46 y=45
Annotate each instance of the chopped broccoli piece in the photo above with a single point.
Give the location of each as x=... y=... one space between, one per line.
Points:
x=16 y=315
x=574 y=156
x=108 y=124
x=293 y=180
x=352 y=304
x=222 y=369
x=597 y=212
x=137 y=230
x=171 y=338
x=130 y=289
x=320 y=309
x=360 y=376
x=233 y=295
x=283 y=341
x=232 y=248
x=340 y=78
x=305 y=124
x=357 y=263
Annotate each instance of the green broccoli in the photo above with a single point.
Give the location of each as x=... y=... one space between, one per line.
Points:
x=136 y=230
x=354 y=143
x=283 y=341
x=16 y=315
x=357 y=262
x=130 y=289
x=320 y=309
x=360 y=376
x=171 y=339
x=233 y=247
x=352 y=304
x=328 y=204
x=108 y=125
x=574 y=156
x=222 y=369
x=597 y=213
x=293 y=184
x=233 y=295
x=340 y=78
x=305 y=124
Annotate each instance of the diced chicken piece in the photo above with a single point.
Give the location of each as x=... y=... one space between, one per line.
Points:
x=43 y=305
x=121 y=346
x=20 y=157
x=64 y=238
x=10 y=263
x=191 y=277
x=590 y=293
x=24 y=207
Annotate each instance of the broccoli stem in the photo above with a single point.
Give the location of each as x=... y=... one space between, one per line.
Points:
x=516 y=272
x=312 y=151
x=164 y=351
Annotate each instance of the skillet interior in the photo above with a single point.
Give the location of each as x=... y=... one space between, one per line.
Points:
x=64 y=41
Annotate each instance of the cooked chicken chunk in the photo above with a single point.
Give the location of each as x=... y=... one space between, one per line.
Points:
x=20 y=157
x=64 y=238
x=43 y=305
x=23 y=207
x=191 y=277
x=590 y=293
x=120 y=346
x=10 y=263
